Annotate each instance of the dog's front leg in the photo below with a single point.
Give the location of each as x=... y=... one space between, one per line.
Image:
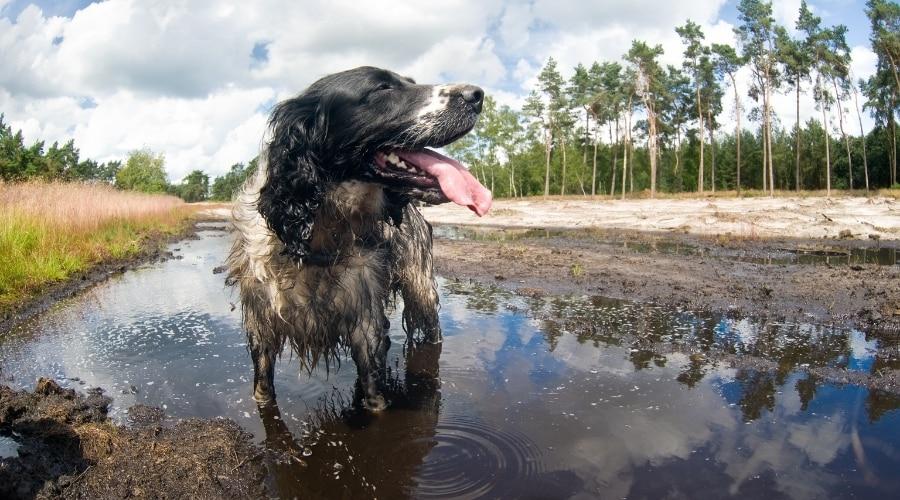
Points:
x=414 y=277
x=263 y=350
x=369 y=345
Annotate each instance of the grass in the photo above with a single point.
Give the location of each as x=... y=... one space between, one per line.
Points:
x=50 y=231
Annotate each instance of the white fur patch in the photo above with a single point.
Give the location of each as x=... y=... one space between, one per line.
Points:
x=440 y=97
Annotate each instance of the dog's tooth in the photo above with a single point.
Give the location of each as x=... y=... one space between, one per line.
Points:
x=393 y=158
x=402 y=164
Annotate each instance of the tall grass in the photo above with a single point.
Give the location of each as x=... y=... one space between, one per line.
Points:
x=48 y=231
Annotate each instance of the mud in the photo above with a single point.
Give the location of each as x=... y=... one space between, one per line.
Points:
x=687 y=271
x=67 y=448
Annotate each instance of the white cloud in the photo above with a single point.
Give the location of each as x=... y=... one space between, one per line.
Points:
x=180 y=76
x=210 y=133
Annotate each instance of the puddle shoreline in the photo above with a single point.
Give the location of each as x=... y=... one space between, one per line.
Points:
x=537 y=390
x=753 y=278
x=153 y=250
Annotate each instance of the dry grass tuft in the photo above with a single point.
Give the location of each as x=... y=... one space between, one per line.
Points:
x=50 y=230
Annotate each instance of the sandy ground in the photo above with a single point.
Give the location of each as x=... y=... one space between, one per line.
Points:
x=813 y=217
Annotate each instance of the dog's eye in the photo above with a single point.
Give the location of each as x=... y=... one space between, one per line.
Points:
x=384 y=86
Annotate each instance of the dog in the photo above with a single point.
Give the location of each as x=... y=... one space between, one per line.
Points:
x=328 y=233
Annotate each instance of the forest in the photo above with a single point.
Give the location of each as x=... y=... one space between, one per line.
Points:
x=636 y=125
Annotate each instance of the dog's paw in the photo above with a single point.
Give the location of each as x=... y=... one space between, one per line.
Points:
x=375 y=403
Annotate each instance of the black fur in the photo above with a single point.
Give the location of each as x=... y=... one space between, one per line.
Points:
x=320 y=276
x=331 y=132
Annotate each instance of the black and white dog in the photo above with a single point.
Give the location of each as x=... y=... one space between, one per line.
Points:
x=327 y=230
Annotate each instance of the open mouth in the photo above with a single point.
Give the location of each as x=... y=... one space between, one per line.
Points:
x=433 y=177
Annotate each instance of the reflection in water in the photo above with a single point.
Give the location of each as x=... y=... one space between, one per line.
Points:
x=526 y=397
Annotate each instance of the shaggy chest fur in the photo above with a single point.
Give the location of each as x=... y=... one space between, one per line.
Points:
x=342 y=288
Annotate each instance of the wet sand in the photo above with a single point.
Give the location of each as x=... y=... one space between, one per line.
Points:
x=689 y=271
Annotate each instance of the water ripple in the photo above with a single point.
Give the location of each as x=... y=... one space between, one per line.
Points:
x=471 y=459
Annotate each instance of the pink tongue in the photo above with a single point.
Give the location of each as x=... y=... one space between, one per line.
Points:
x=456 y=182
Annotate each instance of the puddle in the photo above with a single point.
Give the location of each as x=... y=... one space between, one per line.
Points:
x=9 y=448
x=884 y=256
x=526 y=397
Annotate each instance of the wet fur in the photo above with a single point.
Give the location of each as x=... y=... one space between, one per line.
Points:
x=321 y=310
x=320 y=254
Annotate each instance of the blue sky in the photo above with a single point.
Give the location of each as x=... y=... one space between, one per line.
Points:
x=194 y=79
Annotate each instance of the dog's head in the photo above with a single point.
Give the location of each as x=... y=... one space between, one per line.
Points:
x=372 y=125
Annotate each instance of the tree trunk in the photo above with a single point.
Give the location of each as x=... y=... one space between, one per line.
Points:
x=615 y=146
x=737 y=130
x=768 y=121
x=862 y=135
x=765 y=186
x=893 y=149
x=492 y=178
x=625 y=144
x=837 y=100
x=652 y=146
x=827 y=152
x=894 y=69
x=631 y=166
x=594 y=176
x=562 y=188
x=700 y=172
x=712 y=141
x=712 y=149
x=770 y=156
x=677 y=149
x=587 y=133
x=549 y=144
x=797 y=147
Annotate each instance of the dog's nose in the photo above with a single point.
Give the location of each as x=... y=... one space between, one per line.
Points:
x=474 y=96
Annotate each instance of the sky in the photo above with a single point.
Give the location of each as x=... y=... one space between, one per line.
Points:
x=195 y=79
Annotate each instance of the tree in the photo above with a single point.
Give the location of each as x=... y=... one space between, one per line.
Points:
x=608 y=106
x=143 y=171
x=796 y=63
x=548 y=108
x=677 y=111
x=728 y=62
x=696 y=63
x=582 y=92
x=194 y=187
x=108 y=171
x=711 y=95
x=885 y=18
x=756 y=35
x=862 y=131
x=838 y=57
x=881 y=101
x=534 y=108
x=648 y=78
x=817 y=41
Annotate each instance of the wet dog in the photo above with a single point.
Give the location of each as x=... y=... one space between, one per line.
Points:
x=328 y=233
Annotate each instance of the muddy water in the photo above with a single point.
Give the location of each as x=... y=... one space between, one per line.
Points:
x=880 y=255
x=527 y=397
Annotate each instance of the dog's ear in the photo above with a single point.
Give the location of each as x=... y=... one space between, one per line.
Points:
x=295 y=182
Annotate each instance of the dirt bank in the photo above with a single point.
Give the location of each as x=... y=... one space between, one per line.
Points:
x=813 y=217
x=694 y=272
x=67 y=448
